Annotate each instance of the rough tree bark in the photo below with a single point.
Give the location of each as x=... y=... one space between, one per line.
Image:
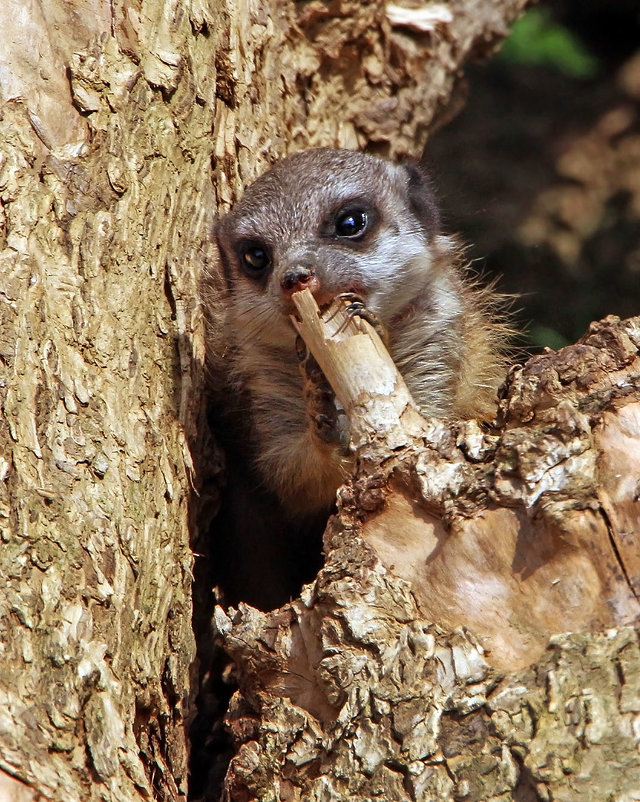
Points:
x=114 y=118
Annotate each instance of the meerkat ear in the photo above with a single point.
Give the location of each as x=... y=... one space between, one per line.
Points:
x=422 y=199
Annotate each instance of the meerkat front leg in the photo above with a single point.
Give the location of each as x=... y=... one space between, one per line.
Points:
x=327 y=421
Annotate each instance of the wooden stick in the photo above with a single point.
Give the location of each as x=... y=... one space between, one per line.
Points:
x=358 y=368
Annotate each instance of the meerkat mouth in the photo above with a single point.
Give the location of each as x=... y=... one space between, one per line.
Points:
x=325 y=300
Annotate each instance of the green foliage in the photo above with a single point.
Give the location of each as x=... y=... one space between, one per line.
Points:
x=544 y=336
x=537 y=39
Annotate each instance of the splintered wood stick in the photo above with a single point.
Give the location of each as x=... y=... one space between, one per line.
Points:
x=358 y=368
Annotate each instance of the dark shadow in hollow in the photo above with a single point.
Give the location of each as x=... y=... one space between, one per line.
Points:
x=245 y=551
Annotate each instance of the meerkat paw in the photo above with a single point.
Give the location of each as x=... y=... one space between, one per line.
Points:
x=327 y=419
x=356 y=307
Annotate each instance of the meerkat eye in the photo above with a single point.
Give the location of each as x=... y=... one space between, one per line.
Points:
x=352 y=224
x=255 y=258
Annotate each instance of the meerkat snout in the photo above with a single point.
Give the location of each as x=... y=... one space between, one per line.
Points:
x=299 y=278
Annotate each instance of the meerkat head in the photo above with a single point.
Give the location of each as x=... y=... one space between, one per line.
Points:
x=333 y=221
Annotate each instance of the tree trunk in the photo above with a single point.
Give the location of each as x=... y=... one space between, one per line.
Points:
x=104 y=215
x=112 y=117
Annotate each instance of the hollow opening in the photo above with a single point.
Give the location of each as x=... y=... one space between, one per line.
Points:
x=245 y=551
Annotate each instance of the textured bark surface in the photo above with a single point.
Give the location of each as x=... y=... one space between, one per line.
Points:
x=112 y=115
x=361 y=690
x=534 y=528
x=102 y=220
x=350 y=74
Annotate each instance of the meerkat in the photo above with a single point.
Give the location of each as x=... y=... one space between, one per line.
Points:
x=338 y=221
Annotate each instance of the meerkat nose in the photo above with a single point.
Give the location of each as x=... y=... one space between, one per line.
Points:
x=299 y=278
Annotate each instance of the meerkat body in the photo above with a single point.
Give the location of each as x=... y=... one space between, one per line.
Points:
x=343 y=222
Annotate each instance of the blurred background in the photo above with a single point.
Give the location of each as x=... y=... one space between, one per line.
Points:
x=540 y=170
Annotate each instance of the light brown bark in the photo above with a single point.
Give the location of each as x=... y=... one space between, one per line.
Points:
x=104 y=213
